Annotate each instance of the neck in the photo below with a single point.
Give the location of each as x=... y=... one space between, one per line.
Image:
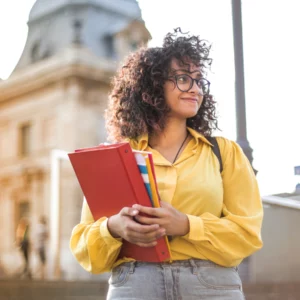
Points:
x=175 y=132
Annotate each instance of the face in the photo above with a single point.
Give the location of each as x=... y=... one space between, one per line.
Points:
x=183 y=105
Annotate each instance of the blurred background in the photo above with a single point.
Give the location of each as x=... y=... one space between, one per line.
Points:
x=57 y=58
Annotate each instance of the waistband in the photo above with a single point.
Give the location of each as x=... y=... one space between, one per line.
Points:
x=176 y=263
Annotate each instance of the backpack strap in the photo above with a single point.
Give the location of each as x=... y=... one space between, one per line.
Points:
x=216 y=150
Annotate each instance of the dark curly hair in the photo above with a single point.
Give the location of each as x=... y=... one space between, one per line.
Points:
x=136 y=102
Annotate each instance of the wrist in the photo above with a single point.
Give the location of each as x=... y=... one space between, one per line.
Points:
x=112 y=226
x=185 y=225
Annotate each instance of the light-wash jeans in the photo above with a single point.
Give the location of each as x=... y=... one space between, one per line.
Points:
x=181 y=280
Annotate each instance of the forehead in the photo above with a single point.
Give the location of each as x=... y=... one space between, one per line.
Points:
x=188 y=66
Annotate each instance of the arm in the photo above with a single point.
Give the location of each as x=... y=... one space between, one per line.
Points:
x=228 y=239
x=237 y=234
x=96 y=244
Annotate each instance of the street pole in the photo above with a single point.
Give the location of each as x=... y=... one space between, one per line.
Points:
x=241 y=120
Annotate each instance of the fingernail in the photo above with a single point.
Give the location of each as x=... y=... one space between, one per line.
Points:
x=135 y=212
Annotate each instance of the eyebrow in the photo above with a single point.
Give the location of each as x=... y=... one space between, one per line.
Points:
x=174 y=71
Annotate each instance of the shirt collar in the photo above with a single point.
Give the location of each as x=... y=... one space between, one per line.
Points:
x=141 y=143
x=198 y=136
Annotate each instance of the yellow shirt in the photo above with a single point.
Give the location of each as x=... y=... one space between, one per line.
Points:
x=224 y=210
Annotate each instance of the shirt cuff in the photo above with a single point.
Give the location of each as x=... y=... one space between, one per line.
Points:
x=196 y=232
x=107 y=237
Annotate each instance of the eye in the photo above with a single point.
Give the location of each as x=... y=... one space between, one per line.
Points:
x=182 y=79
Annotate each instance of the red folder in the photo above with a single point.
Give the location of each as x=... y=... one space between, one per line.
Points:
x=110 y=180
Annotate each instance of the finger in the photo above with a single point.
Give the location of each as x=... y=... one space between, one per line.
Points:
x=152 y=211
x=147 y=245
x=130 y=224
x=140 y=239
x=141 y=228
x=146 y=238
x=147 y=221
x=129 y=211
x=145 y=231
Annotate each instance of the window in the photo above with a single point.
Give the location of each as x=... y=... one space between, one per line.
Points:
x=25 y=140
x=24 y=210
x=109 y=46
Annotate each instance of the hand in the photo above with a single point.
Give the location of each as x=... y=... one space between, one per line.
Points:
x=123 y=225
x=166 y=216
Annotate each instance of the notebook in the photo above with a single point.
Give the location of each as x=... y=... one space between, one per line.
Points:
x=110 y=179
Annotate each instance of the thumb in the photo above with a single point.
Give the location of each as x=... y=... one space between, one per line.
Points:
x=129 y=211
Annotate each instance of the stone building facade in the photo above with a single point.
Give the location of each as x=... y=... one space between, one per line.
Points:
x=55 y=99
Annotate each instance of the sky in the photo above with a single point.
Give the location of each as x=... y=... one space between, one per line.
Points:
x=271 y=59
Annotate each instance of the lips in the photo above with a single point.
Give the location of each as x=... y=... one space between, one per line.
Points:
x=190 y=99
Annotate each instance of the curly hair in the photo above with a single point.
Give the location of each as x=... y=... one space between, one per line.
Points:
x=136 y=102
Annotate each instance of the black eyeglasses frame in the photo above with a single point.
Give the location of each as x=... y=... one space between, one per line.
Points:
x=197 y=80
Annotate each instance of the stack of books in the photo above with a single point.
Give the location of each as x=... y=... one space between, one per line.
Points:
x=115 y=176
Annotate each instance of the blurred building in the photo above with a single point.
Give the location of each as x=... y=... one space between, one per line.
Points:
x=55 y=99
x=278 y=261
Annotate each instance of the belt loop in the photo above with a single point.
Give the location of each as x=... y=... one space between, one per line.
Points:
x=194 y=266
x=132 y=267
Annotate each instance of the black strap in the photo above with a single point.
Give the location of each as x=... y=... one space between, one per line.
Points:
x=216 y=150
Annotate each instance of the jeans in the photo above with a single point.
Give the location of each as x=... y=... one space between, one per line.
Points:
x=181 y=280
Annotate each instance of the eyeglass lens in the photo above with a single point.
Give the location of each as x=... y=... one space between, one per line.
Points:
x=185 y=83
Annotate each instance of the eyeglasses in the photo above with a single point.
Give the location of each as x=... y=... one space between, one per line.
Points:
x=185 y=82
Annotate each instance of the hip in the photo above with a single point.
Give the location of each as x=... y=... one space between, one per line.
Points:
x=186 y=279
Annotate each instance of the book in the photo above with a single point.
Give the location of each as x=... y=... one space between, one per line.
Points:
x=141 y=162
x=110 y=179
x=145 y=158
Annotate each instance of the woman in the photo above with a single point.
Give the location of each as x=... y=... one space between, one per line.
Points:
x=161 y=103
x=22 y=240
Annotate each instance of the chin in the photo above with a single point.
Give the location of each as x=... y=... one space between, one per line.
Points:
x=186 y=114
x=191 y=114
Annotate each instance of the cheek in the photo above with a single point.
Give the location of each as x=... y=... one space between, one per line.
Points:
x=170 y=92
x=169 y=87
x=200 y=102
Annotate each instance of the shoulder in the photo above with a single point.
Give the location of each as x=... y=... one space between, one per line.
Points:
x=226 y=144
x=230 y=150
x=234 y=160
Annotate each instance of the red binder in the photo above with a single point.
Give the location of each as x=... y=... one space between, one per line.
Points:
x=110 y=179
